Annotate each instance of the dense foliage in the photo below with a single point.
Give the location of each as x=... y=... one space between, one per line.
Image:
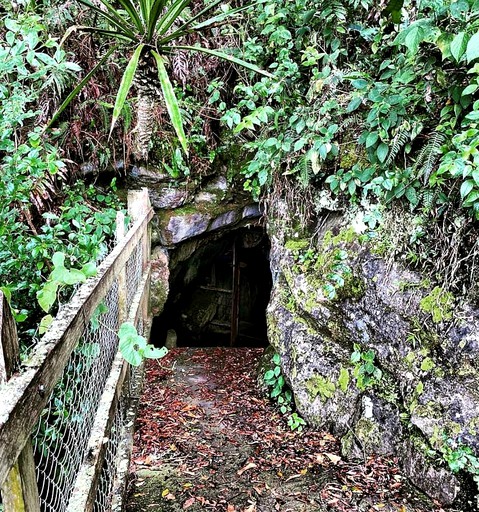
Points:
x=364 y=105
x=370 y=103
x=42 y=209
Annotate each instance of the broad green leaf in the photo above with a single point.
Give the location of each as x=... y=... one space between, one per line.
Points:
x=354 y=104
x=127 y=329
x=355 y=357
x=413 y=38
x=371 y=139
x=7 y=293
x=74 y=276
x=269 y=375
x=275 y=392
x=472 y=50
x=359 y=83
x=89 y=269
x=45 y=323
x=224 y=56
x=58 y=259
x=125 y=85
x=458 y=46
x=466 y=187
x=131 y=354
x=171 y=101
x=470 y=89
x=382 y=152
x=299 y=144
x=131 y=344
x=151 y=352
x=47 y=295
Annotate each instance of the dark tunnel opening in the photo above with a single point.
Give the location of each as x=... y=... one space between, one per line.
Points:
x=218 y=293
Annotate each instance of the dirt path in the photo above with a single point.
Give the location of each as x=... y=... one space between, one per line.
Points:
x=207 y=440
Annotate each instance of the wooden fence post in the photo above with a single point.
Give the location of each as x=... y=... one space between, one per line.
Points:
x=138 y=205
x=19 y=490
x=122 y=293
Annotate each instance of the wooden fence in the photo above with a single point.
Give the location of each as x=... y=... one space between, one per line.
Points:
x=58 y=452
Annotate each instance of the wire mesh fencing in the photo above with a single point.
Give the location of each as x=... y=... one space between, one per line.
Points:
x=79 y=434
x=62 y=434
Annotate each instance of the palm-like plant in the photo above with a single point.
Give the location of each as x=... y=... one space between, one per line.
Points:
x=150 y=29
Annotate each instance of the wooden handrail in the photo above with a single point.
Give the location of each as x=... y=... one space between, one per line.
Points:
x=24 y=396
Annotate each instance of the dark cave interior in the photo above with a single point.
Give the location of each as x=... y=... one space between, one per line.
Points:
x=218 y=292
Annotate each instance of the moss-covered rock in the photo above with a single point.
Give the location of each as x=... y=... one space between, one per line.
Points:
x=429 y=368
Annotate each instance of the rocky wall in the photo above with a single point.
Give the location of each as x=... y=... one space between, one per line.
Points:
x=379 y=356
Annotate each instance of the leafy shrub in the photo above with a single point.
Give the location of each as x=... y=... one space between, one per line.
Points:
x=375 y=118
x=40 y=215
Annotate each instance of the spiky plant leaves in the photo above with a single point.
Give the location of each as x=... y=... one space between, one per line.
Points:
x=171 y=101
x=125 y=84
x=80 y=86
x=224 y=56
x=429 y=155
x=113 y=16
x=146 y=25
x=171 y=15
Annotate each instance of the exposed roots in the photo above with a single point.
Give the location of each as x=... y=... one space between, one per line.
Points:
x=446 y=247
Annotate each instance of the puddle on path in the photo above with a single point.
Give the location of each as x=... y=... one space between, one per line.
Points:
x=207 y=440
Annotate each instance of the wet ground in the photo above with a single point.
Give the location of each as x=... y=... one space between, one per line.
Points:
x=207 y=439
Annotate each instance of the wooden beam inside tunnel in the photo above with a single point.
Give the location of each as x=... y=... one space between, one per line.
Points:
x=235 y=303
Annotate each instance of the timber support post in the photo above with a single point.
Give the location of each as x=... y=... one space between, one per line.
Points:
x=19 y=490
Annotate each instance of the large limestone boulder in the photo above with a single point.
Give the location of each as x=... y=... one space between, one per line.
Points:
x=379 y=356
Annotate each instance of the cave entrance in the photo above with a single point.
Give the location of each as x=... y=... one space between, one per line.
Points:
x=219 y=290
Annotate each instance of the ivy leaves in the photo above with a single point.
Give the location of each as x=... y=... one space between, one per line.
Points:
x=134 y=348
x=59 y=278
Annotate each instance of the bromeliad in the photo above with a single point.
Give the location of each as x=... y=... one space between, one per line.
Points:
x=150 y=30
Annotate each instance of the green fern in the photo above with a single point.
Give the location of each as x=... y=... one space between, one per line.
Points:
x=401 y=138
x=429 y=155
x=305 y=171
x=352 y=120
x=428 y=197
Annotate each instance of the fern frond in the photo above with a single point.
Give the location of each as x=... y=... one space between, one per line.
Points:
x=352 y=120
x=305 y=171
x=428 y=197
x=401 y=138
x=429 y=155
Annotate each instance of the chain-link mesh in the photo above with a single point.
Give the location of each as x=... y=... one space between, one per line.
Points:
x=61 y=437
x=134 y=271
x=104 y=494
